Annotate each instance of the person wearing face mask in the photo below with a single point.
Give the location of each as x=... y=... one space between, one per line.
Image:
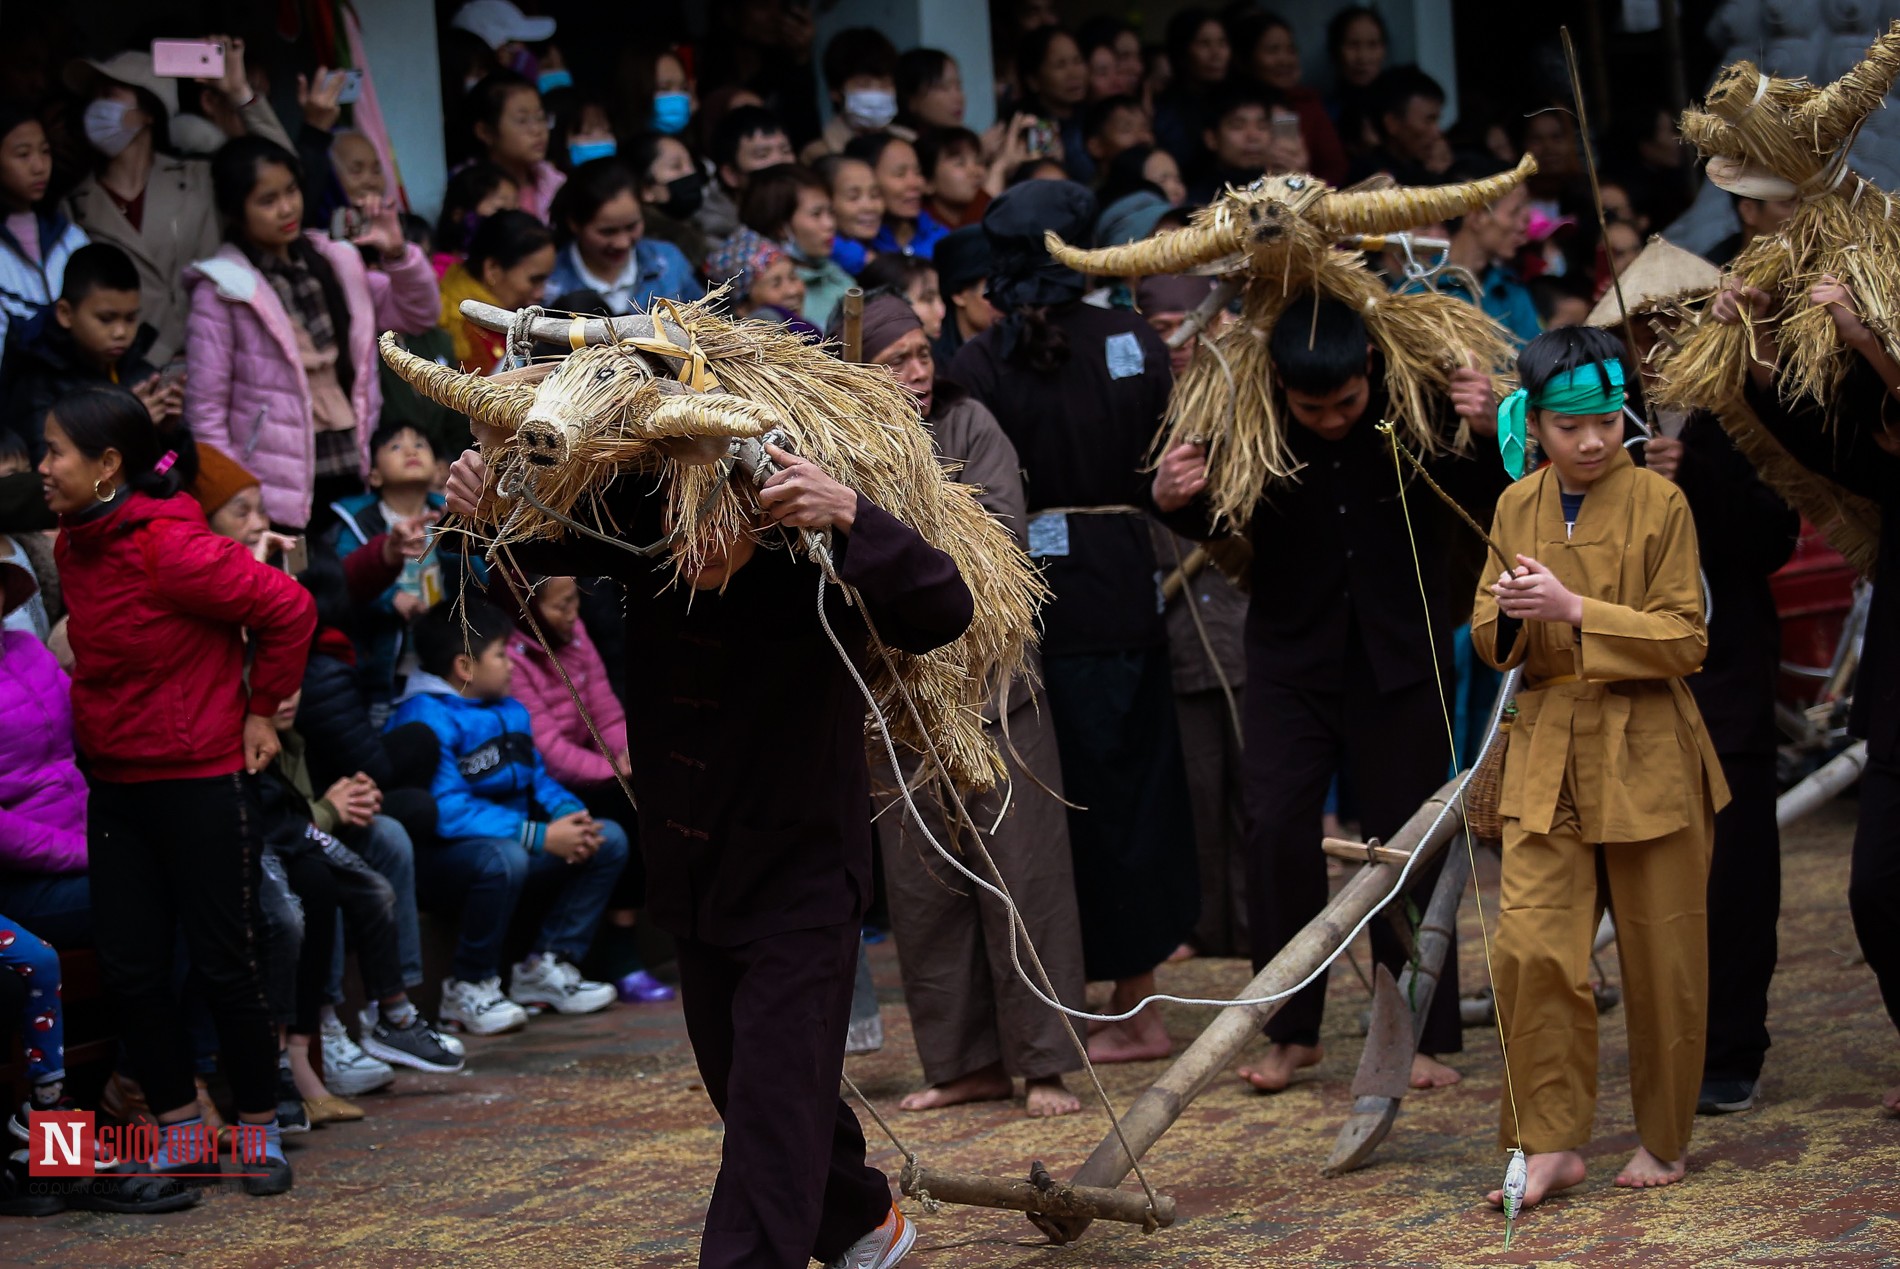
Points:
x=672 y=186
x=605 y=250
x=140 y=196
x=653 y=92
x=860 y=67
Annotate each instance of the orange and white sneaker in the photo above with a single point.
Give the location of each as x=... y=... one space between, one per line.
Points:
x=882 y=1248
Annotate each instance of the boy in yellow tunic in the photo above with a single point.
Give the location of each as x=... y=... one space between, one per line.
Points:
x=1610 y=774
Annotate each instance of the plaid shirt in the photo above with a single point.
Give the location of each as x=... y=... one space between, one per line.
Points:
x=302 y=295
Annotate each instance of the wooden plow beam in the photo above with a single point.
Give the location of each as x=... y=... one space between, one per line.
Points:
x=1040 y=1196
x=1156 y=1110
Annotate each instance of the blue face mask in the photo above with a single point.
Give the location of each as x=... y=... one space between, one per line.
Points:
x=579 y=152
x=670 y=112
x=548 y=81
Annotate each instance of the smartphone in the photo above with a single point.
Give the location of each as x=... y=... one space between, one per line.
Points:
x=1039 y=138
x=1286 y=127
x=172 y=373
x=346 y=223
x=352 y=90
x=296 y=557
x=188 y=59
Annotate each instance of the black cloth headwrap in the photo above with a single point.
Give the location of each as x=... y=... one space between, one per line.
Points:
x=1022 y=272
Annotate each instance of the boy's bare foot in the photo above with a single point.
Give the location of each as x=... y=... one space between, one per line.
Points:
x=987 y=1085
x=1275 y=1071
x=1548 y=1173
x=1429 y=1072
x=1142 y=1038
x=1890 y=1100
x=1048 y=1098
x=1645 y=1171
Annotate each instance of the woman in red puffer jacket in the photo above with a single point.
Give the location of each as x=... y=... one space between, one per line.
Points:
x=170 y=733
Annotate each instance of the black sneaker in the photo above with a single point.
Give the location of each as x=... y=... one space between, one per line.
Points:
x=18 y=1196
x=272 y=1176
x=417 y=1045
x=291 y=1116
x=1725 y=1097
x=110 y=1191
x=18 y=1121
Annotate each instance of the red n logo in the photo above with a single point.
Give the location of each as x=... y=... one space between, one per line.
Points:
x=60 y=1143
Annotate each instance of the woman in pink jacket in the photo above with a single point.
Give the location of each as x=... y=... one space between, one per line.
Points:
x=282 y=336
x=576 y=762
x=42 y=795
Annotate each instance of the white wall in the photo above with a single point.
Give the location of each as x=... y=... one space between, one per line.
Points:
x=399 y=40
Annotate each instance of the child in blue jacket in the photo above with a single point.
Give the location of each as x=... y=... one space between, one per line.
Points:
x=501 y=820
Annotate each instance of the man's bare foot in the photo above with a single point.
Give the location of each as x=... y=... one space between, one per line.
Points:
x=1429 y=1072
x=1890 y=1100
x=1275 y=1071
x=1142 y=1038
x=987 y=1085
x=1048 y=1098
x=1548 y=1173
x=1185 y=952
x=1645 y=1171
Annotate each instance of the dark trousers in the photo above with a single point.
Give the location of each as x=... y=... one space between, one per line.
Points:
x=328 y=877
x=1297 y=737
x=173 y=853
x=1873 y=887
x=1744 y=905
x=55 y=906
x=767 y=1020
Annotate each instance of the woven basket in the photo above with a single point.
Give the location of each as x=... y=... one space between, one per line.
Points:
x=1483 y=789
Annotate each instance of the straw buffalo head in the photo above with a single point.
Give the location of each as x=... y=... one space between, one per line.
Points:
x=1257 y=226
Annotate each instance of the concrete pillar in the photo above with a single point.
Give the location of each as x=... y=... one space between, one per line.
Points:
x=399 y=41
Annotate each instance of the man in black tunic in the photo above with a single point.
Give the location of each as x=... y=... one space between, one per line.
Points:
x=748 y=763
x=1339 y=652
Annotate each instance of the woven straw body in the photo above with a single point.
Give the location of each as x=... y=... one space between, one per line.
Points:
x=1845 y=226
x=615 y=408
x=1282 y=234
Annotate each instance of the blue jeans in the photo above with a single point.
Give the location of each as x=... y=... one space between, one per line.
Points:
x=486 y=876
x=384 y=845
x=58 y=907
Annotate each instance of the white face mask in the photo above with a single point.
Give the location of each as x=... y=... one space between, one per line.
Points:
x=107 y=129
x=870 y=108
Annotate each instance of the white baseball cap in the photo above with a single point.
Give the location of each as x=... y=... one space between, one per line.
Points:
x=497 y=22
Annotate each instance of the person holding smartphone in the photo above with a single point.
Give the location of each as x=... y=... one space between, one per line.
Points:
x=142 y=195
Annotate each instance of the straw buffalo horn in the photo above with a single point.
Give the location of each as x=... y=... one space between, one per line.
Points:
x=486 y=402
x=1173 y=252
x=1830 y=116
x=709 y=414
x=560 y=330
x=1389 y=210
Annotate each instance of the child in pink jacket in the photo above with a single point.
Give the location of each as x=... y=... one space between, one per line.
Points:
x=282 y=336
x=576 y=762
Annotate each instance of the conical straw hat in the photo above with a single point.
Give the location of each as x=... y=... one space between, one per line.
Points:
x=1662 y=274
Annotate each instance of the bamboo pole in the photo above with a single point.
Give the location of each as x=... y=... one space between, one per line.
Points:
x=1822 y=785
x=1155 y=1111
x=854 y=324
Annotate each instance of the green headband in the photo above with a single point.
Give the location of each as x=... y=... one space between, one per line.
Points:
x=1578 y=391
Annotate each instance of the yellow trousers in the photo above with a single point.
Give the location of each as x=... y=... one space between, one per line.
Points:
x=1551 y=904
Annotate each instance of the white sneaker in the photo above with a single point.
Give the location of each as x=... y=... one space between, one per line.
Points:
x=882 y=1247
x=368 y=1016
x=480 y=1008
x=551 y=982
x=347 y=1070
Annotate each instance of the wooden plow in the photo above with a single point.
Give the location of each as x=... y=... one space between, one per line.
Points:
x=1063 y=1211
